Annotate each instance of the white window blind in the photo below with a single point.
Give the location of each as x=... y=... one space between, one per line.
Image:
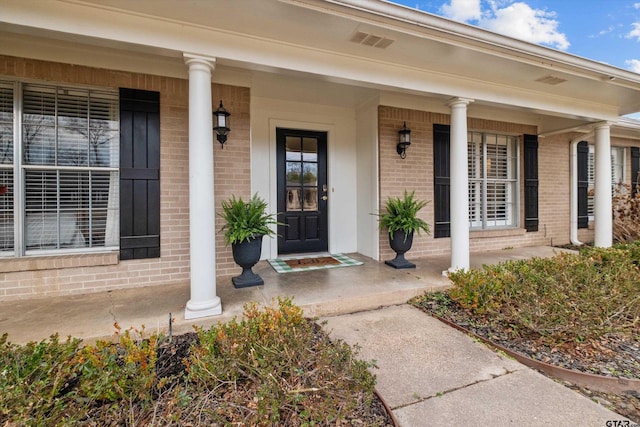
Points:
x=617 y=174
x=68 y=175
x=6 y=168
x=493 y=180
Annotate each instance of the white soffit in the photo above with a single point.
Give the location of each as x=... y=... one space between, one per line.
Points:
x=415 y=51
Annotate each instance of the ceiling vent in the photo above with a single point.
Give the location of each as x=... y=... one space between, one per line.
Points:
x=371 y=40
x=551 y=80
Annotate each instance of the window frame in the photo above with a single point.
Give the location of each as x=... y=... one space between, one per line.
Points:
x=511 y=182
x=22 y=169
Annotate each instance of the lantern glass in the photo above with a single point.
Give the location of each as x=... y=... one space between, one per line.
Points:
x=221 y=120
x=221 y=124
x=405 y=134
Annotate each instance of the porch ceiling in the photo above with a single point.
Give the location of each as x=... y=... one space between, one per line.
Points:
x=425 y=54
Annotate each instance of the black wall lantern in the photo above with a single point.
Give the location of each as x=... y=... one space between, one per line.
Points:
x=404 y=135
x=221 y=124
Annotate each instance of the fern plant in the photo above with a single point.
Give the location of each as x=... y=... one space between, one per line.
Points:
x=402 y=214
x=245 y=220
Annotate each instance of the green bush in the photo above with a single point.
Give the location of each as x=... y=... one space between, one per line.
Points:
x=272 y=367
x=124 y=372
x=282 y=372
x=34 y=380
x=567 y=297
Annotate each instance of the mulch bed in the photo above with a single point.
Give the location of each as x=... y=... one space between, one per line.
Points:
x=612 y=355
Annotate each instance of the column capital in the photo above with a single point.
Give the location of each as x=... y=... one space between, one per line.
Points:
x=602 y=125
x=459 y=102
x=193 y=60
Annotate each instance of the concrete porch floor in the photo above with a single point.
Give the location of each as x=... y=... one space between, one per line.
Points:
x=320 y=293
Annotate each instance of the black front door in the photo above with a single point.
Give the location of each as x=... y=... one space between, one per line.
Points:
x=302 y=191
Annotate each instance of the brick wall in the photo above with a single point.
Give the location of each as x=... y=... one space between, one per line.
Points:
x=64 y=274
x=416 y=173
x=554 y=191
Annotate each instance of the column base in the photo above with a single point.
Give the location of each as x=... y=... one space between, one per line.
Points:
x=446 y=272
x=196 y=310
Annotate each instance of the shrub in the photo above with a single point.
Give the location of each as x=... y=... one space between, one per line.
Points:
x=35 y=379
x=272 y=367
x=567 y=297
x=281 y=369
x=626 y=214
x=127 y=371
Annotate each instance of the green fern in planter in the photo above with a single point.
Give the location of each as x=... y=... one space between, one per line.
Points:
x=245 y=220
x=401 y=214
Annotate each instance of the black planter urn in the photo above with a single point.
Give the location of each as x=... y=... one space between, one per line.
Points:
x=400 y=245
x=246 y=254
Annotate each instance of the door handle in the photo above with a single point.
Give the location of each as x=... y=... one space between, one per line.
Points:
x=325 y=198
x=324 y=188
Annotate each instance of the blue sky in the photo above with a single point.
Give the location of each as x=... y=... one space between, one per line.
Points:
x=602 y=30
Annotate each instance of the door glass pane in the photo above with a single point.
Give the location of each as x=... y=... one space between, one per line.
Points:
x=293 y=199
x=294 y=148
x=294 y=172
x=310 y=199
x=310 y=152
x=310 y=176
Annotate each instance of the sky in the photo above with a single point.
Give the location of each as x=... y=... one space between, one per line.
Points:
x=603 y=30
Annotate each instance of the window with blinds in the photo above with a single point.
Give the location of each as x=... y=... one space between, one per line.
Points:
x=6 y=168
x=617 y=174
x=493 y=180
x=67 y=177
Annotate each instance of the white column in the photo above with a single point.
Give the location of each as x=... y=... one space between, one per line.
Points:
x=459 y=185
x=602 y=208
x=202 y=249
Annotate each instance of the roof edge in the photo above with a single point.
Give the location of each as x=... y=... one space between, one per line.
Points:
x=398 y=17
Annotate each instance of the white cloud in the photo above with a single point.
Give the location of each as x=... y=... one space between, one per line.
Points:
x=462 y=10
x=517 y=20
x=635 y=33
x=636 y=5
x=633 y=64
x=520 y=21
x=604 y=32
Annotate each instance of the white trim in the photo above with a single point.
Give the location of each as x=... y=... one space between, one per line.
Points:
x=166 y=37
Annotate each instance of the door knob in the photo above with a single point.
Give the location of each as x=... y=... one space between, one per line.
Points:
x=325 y=198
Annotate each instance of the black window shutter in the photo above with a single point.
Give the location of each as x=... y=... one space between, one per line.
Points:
x=583 y=184
x=441 y=180
x=531 y=182
x=139 y=174
x=635 y=169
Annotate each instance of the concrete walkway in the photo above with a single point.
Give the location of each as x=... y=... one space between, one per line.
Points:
x=432 y=375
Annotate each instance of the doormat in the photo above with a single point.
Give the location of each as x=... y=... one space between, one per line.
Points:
x=312 y=262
